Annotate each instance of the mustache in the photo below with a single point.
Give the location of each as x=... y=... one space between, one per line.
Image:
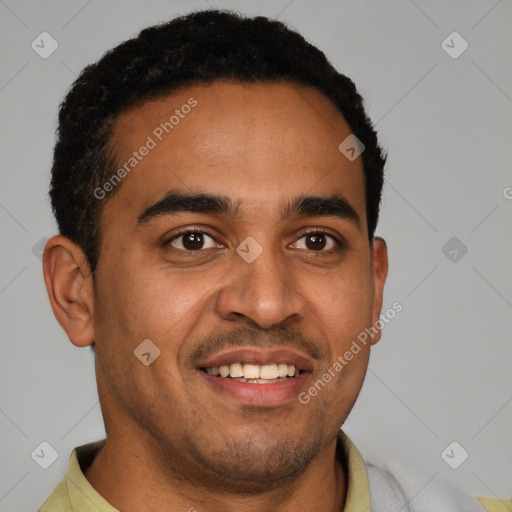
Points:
x=275 y=337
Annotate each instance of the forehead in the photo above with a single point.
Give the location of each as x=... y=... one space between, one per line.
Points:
x=259 y=142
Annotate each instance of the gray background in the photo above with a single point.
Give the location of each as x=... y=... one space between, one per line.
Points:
x=442 y=371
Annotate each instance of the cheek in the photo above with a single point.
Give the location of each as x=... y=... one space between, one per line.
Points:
x=156 y=303
x=343 y=305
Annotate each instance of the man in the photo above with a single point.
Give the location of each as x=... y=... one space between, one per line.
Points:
x=216 y=184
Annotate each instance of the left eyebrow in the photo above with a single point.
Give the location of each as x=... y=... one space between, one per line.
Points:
x=334 y=205
x=174 y=202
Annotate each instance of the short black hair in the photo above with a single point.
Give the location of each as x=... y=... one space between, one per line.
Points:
x=197 y=48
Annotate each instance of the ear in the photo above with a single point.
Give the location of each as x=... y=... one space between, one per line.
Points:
x=70 y=288
x=380 y=272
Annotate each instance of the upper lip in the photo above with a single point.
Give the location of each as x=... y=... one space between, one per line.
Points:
x=252 y=355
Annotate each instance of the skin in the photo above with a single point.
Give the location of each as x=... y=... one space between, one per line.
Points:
x=174 y=442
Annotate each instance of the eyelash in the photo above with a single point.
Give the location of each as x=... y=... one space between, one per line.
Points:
x=338 y=241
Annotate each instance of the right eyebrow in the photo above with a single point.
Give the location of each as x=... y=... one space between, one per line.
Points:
x=175 y=202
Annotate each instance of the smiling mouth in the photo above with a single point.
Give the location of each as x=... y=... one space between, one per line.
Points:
x=255 y=373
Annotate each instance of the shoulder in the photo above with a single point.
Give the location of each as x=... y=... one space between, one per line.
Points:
x=58 y=501
x=395 y=486
x=74 y=492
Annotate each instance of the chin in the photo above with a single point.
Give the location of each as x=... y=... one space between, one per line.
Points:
x=249 y=468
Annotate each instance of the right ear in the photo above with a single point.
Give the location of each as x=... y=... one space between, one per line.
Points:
x=70 y=288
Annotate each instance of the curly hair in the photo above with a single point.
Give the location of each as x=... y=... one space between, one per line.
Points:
x=198 y=48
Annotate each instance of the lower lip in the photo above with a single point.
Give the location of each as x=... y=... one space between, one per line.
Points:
x=276 y=393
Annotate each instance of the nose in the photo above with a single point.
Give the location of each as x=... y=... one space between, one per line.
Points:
x=263 y=291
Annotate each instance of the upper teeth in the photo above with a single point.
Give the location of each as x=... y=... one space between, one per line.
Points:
x=254 y=371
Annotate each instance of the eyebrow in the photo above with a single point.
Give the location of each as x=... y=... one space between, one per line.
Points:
x=334 y=205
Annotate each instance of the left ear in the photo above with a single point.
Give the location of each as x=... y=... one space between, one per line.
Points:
x=380 y=271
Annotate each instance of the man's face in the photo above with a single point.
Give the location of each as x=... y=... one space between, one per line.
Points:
x=259 y=283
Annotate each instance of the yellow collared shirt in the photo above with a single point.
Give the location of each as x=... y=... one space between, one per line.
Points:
x=74 y=492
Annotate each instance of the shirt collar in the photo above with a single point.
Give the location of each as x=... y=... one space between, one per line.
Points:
x=76 y=490
x=358 y=489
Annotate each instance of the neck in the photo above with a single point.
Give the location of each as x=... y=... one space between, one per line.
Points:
x=130 y=477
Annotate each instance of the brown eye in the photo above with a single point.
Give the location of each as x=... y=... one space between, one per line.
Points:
x=192 y=241
x=317 y=241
